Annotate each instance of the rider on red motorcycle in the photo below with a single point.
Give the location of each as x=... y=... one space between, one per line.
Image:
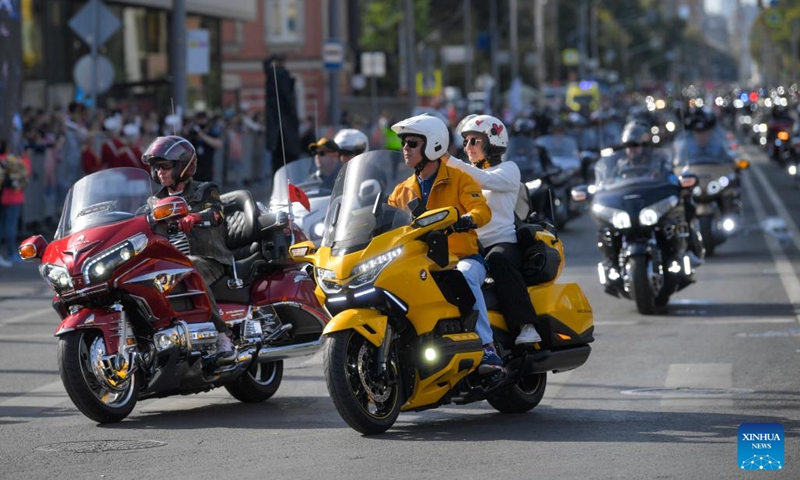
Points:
x=173 y=162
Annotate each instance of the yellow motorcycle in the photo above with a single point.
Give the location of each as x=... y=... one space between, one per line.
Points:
x=402 y=336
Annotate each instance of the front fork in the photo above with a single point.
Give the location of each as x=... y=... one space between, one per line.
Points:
x=383 y=353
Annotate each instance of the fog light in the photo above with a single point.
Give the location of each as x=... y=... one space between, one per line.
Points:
x=163 y=342
x=601 y=271
x=430 y=354
x=728 y=225
x=687 y=265
x=674 y=268
x=792 y=169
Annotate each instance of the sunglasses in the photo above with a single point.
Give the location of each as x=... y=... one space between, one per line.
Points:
x=163 y=166
x=472 y=141
x=411 y=143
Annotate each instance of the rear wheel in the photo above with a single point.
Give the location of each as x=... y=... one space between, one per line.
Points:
x=367 y=400
x=646 y=284
x=100 y=392
x=258 y=384
x=522 y=396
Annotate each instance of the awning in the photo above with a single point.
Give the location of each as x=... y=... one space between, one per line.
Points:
x=230 y=9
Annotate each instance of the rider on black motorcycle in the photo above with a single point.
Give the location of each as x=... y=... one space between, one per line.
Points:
x=704 y=140
x=173 y=163
x=640 y=159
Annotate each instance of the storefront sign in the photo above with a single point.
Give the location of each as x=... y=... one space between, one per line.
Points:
x=197 y=52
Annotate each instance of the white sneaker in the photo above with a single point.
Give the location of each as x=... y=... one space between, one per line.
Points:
x=224 y=343
x=5 y=263
x=528 y=334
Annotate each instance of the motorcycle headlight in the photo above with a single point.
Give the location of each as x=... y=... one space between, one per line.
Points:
x=616 y=217
x=100 y=267
x=318 y=229
x=326 y=279
x=368 y=271
x=534 y=185
x=651 y=214
x=57 y=277
x=713 y=187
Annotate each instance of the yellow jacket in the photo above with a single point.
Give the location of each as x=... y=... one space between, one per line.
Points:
x=451 y=188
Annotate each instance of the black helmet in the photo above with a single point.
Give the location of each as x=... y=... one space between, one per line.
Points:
x=701 y=119
x=172 y=149
x=636 y=133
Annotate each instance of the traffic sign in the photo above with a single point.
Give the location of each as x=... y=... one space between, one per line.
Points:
x=83 y=71
x=429 y=83
x=333 y=54
x=373 y=64
x=93 y=29
x=570 y=57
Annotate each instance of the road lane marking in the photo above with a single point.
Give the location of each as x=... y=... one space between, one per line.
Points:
x=786 y=272
x=699 y=376
x=49 y=396
x=22 y=318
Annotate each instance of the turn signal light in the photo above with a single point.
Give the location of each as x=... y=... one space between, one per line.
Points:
x=743 y=164
x=168 y=210
x=783 y=136
x=564 y=337
x=27 y=251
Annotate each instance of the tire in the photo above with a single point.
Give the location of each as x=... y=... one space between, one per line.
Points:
x=521 y=397
x=258 y=384
x=707 y=232
x=642 y=288
x=91 y=394
x=348 y=363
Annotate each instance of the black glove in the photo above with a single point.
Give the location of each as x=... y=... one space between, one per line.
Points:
x=464 y=224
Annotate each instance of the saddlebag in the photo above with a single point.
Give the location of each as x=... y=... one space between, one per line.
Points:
x=540 y=262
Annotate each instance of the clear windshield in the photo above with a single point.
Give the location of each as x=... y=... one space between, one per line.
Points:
x=617 y=170
x=105 y=197
x=708 y=148
x=358 y=210
x=559 y=145
x=298 y=172
x=523 y=152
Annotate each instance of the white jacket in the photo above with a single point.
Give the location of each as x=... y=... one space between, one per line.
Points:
x=500 y=185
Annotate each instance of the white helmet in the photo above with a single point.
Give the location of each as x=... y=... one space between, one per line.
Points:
x=493 y=129
x=460 y=126
x=432 y=129
x=351 y=140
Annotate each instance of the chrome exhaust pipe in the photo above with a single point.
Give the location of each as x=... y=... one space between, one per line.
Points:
x=271 y=354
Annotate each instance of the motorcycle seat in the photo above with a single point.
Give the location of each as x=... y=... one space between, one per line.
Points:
x=241 y=218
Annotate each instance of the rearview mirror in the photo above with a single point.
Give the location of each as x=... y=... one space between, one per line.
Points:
x=688 y=181
x=581 y=193
x=32 y=249
x=302 y=252
x=170 y=209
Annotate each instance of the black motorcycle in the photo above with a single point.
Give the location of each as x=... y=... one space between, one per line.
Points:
x=547 y=186
x=643 y=235
x=717 y=195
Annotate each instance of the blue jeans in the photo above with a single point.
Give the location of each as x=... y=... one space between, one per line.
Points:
x=474 y=272
x=9 y=219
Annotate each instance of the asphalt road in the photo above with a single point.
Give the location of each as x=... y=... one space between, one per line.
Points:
x=660 y=396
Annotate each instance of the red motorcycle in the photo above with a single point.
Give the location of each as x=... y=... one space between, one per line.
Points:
x=135 y=315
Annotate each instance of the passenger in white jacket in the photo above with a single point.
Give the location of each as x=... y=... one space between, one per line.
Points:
x=485 y=141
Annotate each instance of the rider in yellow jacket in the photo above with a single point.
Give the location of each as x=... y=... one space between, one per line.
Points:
x=425 y=140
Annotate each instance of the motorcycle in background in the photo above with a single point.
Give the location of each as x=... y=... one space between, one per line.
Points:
x=643 y=235
x=717 y=195
x=403 y=333
x=135 y=317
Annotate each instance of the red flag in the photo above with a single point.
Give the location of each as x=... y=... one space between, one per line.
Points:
x=296 y=194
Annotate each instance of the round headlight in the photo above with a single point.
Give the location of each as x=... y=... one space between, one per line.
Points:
x=648 y=216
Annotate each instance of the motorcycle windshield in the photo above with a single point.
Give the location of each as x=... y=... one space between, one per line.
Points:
x=358 y=210
x=298 y=172
x=559 y=145
x=614 y=173
x=523 y=152
x=105 y=197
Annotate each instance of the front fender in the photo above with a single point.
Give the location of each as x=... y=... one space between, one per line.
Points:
x=367 y=322
x=637 y=249
x=100 y=318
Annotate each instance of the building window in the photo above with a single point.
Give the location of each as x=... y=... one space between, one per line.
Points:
x=283 y=21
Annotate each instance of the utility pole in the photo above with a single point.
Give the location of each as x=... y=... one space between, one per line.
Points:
x=514 y=33
x=178 y=55
x=493 y=52
x=582 y=11
x=411 y=56
x=541 y=55
x=334 y=109
x=469 y=43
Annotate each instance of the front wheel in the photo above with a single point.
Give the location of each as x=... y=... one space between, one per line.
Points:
x=99 y=393
x=258 y=384
x=522 y=396
x=368 y=401
x=707 y=233
x=646 y=284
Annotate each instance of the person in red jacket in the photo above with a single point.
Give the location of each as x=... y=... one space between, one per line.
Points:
x=16 y=172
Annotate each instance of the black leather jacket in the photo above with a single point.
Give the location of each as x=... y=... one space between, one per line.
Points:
x=203 y=198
